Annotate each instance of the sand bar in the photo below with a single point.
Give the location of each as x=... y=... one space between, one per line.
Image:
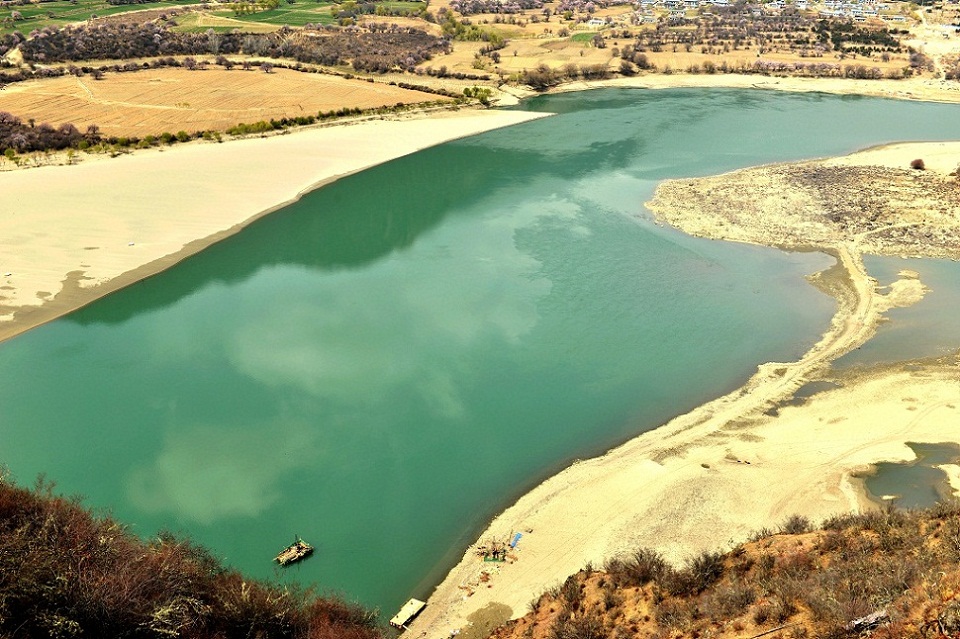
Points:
x=71 y=234
x=747 y=460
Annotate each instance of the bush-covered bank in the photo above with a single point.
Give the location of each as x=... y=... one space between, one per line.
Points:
x=67 y=573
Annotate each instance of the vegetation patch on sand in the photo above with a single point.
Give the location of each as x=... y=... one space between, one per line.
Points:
x=153 y=101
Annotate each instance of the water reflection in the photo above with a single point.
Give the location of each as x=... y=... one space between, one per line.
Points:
x=643 y=134
x=206 y=472
x=330 y=341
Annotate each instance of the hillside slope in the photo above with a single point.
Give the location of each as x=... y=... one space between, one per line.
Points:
x=900 y=567
x=66 y=573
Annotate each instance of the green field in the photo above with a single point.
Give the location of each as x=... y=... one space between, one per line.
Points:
x=61 y=12
x=58 y=13
x=299 y=13
x=583 y=37
x=295 y=15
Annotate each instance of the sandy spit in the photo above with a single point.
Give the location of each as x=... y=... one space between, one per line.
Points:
x=72 y=234
x=750 y=459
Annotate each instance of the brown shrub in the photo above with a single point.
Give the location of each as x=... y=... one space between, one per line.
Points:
x=64 y=572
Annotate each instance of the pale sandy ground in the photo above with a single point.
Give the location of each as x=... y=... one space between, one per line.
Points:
x=873 y=198
x=745 y=461
x=71 y=234
x=940 y=157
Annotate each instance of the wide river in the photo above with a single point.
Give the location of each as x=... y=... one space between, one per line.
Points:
x=384 y=365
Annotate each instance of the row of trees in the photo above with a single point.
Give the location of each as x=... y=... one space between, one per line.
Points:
x=543 y=77
x=742 y=25
x=23 y=137
x=123 y=2
x=377 y=48
x=352 y=10
x=471 y=7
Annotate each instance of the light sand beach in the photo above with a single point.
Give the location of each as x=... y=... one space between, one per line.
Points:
x=72 y=234
x=748 y=460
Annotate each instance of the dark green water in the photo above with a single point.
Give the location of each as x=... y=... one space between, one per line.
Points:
x=384 y=365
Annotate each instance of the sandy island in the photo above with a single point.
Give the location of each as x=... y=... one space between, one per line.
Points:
x=72 y=234
x=750 y=459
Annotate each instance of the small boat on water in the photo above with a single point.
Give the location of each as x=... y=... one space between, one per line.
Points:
x=297 y=551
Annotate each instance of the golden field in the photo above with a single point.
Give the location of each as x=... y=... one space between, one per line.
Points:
x=154 y=101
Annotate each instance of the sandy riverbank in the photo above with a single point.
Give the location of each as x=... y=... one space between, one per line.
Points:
x=72 y=234
x=749 y=459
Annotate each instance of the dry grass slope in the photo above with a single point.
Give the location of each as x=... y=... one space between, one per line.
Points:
x=793 y=584
x=65 y=573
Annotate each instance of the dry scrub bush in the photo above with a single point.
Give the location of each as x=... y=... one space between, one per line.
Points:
x=571 y=593
x=587 y=627
x=796 y=525
x=64 y=572
x=696 y=576
x=639 y=569
x=907 y=563
x=729 y=602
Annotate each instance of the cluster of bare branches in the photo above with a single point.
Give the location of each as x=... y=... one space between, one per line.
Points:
x=28 y=136
x=743 y=26
x=378 y=48
x=471 y=7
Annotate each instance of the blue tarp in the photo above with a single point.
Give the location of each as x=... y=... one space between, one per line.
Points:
x=516 y=538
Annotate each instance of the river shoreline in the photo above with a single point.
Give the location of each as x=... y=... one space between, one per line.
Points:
x=692 y=484
x=918 y=89
x=78 y=233
x=688 y=485
x=52 y=274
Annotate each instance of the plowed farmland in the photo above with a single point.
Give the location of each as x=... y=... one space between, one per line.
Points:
x=160 y=100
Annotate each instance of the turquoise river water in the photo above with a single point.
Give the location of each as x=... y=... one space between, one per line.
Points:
x=384 y=365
